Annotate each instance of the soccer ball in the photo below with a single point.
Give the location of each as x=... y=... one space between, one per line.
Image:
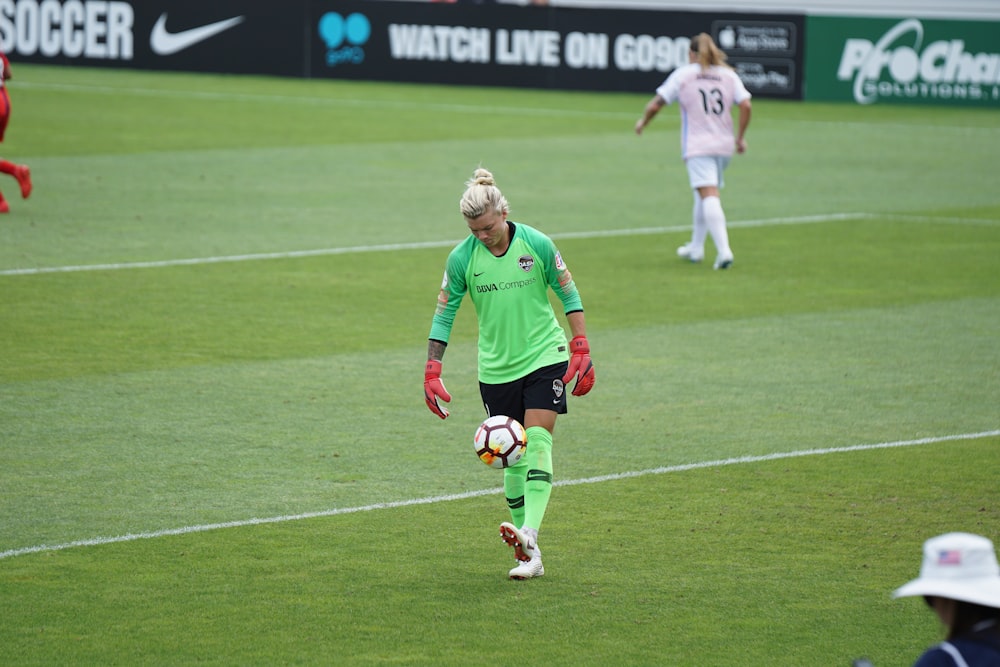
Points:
x=500 y=441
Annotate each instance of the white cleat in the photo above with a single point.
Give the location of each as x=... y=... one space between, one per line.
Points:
x=522 y=541
x=690 y=253
x=723 y=261
x=529 y=569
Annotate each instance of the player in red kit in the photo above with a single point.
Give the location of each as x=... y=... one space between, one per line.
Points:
x=18 y=171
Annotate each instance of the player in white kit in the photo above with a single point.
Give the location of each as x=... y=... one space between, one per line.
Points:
x=706 y=90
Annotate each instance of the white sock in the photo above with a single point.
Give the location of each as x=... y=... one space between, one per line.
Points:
x=698 y=228
x=715 y=220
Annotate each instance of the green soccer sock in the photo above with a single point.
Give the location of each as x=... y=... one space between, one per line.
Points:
x=538 y=483
x=513 y=489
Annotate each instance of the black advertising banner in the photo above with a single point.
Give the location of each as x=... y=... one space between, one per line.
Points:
x=545 y=47
x=230 y=36
x=421 y=42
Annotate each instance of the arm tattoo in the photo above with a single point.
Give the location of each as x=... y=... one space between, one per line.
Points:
x=435 y=350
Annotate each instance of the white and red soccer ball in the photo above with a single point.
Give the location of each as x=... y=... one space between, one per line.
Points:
x=500 y=441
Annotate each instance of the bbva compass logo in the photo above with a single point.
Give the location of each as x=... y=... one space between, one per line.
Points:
x=344 y=37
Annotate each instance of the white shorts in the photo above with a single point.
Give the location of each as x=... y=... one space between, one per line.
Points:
x=706 y=170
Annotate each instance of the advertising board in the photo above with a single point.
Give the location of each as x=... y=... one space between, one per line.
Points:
x=419 y=42
x=230 y=36
x=903 y=61
x=538 y=47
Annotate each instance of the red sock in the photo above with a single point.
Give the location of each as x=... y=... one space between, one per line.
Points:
x=7 y=167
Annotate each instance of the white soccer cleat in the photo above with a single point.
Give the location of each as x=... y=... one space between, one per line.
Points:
x=523 y=542
x=529 y=569
x=723 y=261
x=690 y=253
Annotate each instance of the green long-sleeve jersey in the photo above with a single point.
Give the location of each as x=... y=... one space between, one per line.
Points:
x=518 y=330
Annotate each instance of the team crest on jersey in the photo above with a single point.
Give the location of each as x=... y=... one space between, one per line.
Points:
x=526 y=262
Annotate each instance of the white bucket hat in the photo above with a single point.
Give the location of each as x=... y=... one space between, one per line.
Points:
x=958 y=566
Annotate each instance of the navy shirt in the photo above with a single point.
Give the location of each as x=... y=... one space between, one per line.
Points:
x=978 y=650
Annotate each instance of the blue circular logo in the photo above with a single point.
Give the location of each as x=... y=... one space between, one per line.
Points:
x=335 y=29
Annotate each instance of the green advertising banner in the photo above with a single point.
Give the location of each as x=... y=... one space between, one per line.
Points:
x=903 y=61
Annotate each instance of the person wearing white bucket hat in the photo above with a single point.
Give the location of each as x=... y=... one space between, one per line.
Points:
x=960 y=581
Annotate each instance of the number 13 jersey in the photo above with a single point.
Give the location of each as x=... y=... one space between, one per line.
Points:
x=706 y=99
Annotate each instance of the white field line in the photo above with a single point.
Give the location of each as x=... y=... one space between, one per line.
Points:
x=291 y=254
x=131 y=537
x=404 y=104
x=799 y=220
x=323 y=101
x=947 y=221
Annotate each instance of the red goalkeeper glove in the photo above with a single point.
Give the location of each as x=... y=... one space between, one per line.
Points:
x=434 y=389
x=580 y=366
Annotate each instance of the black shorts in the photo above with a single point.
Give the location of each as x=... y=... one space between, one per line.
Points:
x=541 y=389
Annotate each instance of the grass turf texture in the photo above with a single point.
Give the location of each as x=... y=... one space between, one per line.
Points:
x=784 y=563
x=151 y=399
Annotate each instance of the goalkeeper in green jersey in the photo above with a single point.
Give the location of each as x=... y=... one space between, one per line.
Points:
x=507 y=269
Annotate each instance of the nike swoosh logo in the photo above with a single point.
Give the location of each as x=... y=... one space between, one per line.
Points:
x=166 y=43
x=476 y=275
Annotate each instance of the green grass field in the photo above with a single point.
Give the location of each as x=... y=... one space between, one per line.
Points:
x=213 y=320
